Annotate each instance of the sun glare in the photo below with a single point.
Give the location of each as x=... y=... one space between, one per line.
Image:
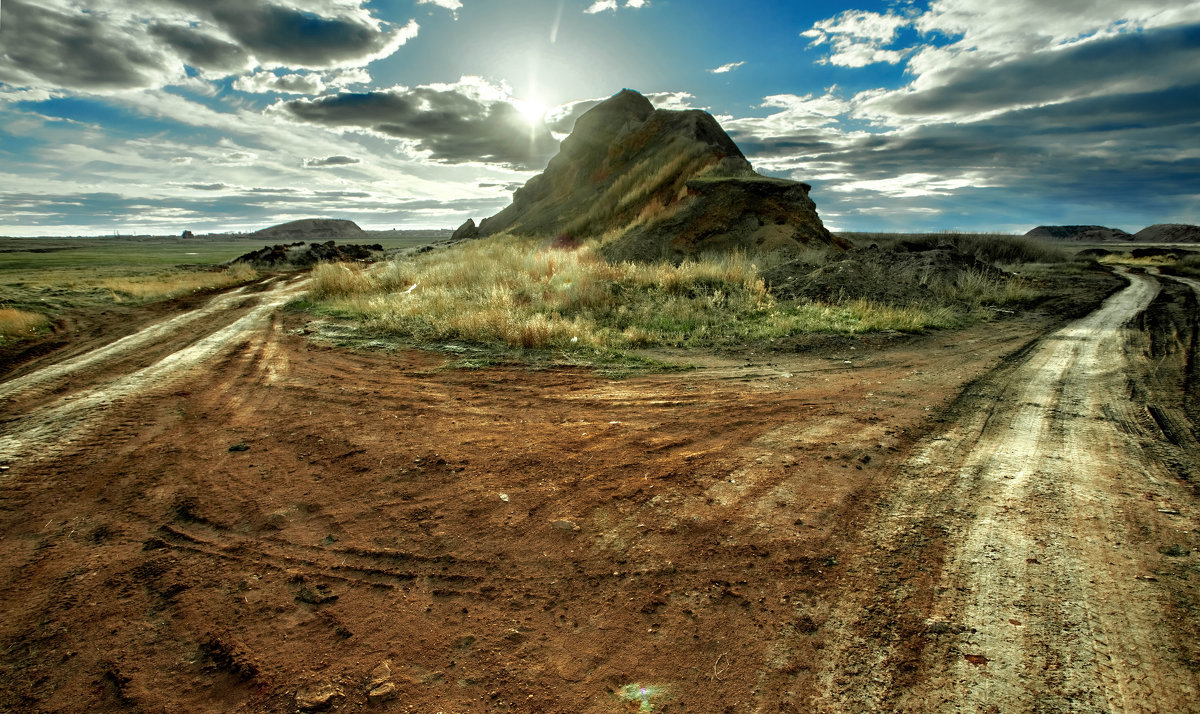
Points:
x=533 y=112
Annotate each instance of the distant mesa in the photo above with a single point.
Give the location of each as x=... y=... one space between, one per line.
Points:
x=309 y=241
x=1169 y=233
x=658 y=184
x=309 y=229
x=1082 y=234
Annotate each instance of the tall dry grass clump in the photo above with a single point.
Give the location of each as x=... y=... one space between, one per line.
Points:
x=528 y=293
x=20 y=324
x=165 y=286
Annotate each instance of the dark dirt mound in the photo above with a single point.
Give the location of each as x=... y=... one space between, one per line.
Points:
x=1079 y=233
x=671 y=183
x=1169 y=233
x=299 y=255
x=1160 y=252
x=312 y=228
x=881 y=274
x=1096 y=253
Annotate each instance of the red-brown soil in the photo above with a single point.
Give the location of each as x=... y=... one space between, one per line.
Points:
x=268 y=522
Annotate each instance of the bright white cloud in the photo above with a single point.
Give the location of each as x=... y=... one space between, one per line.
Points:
x=859 y=38
x=726 y=68
x=913 y=185
x=307 y=83
x=606 y=5
x=452 y=5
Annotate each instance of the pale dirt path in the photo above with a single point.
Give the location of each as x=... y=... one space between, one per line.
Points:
x=1039 y=607
x=44 y=431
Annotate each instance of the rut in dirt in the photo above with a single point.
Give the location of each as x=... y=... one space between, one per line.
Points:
x=1042 y=602
x=46 y=429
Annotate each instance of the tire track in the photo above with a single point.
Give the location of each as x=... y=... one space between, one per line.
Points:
x=1032 y=486
x=43 y=432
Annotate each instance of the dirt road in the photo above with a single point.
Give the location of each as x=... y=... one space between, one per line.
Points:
x=97 y=379
x=217 y=514
x=1046 y=490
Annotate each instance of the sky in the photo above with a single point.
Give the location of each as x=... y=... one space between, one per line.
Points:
x=156 y=116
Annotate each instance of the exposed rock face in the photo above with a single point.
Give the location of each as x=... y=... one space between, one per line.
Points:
x=1088 y=234
x=466 y=231
x=1169 y=233
x=668 y=184
x=309 y=229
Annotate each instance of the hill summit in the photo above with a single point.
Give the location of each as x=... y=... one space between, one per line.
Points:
x=658 y=184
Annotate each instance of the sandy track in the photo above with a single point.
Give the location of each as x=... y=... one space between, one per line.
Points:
x=43 y=431
x=1044 y=602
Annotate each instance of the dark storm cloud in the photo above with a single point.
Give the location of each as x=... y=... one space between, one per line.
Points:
x=201 y=50
x=1152 y=59
x=75 y=50
x=113 y=46
x=330 y=161
x=452 y=126
x=289 y=36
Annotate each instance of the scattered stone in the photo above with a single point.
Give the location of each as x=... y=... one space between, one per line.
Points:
x=240 y=446
x=317 y=698
x=1174 y=550
x=381 y=674
x=318 y=595
x=976 y=659
x=564 y=525
x=382 y=693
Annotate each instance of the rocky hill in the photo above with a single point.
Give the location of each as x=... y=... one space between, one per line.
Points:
x=1082 y=234
x=1169 y=233
x=309 y=229
x=658 y=184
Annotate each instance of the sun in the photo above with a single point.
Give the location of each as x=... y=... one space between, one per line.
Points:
x=533 y=112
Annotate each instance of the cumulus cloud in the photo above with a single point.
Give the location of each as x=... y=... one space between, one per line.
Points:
x=46 y=46
x=310 y=83
x=605 y=5
x=974 y=87
x=858 y=37
x=452 y=5
x=114 y=45
x=469 y=121
x=331 y=161
x=725 y=68
x=200 y=49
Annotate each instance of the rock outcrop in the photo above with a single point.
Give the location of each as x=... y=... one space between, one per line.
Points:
x=466 y=231
x=1169 y=233
x=659 y=184
x=301 y=255
x=1081 y=234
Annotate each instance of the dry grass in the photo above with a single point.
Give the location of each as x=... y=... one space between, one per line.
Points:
x=164 y=286
x=19 y=324
x=518 y=292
